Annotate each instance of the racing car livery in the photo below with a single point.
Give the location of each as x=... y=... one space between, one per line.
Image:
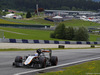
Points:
x=39 y=60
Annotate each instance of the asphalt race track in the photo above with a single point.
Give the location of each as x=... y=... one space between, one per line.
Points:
x=65 y=56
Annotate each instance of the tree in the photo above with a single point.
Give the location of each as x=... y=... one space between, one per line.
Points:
x=0 y=10
x=0 y=13
x=26 y=5
x=65 y=8
x=69 y=33
x=28 y=15
x=52 y=35
x=59 y=32
x=39 y=10
x=73 y=8
x=4 y=13
x=81 y=34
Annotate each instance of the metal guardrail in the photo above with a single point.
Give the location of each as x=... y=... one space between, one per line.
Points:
x=24 y=26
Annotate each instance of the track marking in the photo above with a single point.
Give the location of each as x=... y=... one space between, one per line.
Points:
x=58 y=66
x=12 y=32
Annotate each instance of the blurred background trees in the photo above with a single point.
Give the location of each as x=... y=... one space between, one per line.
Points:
x=70 y=33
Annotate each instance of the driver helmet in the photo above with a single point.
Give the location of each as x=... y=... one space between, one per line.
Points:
x=36 y=54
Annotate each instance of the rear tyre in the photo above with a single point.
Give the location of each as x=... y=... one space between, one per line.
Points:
x=42 y=61
x=54 y=60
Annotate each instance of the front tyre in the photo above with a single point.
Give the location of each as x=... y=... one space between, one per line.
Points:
x=18 y=61
x=42 y=61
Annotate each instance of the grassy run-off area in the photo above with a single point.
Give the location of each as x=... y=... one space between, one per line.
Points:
x=76 y=22
x=41 y=34
x=41 y=21
x=88 y=68
x=31 y=49
x=38 y=21
x=7 y=22
x=16 y=33
x=94 y=37
x=26 y=34
x=15 y=49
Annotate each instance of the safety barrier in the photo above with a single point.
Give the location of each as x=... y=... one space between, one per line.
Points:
x=48 y=19
x=25 y=26
x=46 y=41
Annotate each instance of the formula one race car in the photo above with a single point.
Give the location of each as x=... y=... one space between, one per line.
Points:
x=39 y=60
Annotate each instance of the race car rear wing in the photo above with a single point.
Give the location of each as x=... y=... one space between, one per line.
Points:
x=48 y=51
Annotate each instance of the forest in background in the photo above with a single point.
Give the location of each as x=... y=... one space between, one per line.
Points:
x=30 y=5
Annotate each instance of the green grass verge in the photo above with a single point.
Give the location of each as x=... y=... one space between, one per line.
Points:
x=7 y=22
x=41 y=21
x=94 y=37
x=30 y=49
x=30 y=34
x=76 y=23
x=35 y=34
x=38 y=21
x=81 y=69
x=14 y=49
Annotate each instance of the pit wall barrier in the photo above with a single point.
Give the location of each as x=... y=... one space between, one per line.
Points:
x=46 y=41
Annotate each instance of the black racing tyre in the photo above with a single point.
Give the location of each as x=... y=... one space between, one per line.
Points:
x=54 y=60
x=42 y=61
x=18 y=59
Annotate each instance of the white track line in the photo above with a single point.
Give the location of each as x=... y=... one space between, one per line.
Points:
x=13 y=32
x=58 y=66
